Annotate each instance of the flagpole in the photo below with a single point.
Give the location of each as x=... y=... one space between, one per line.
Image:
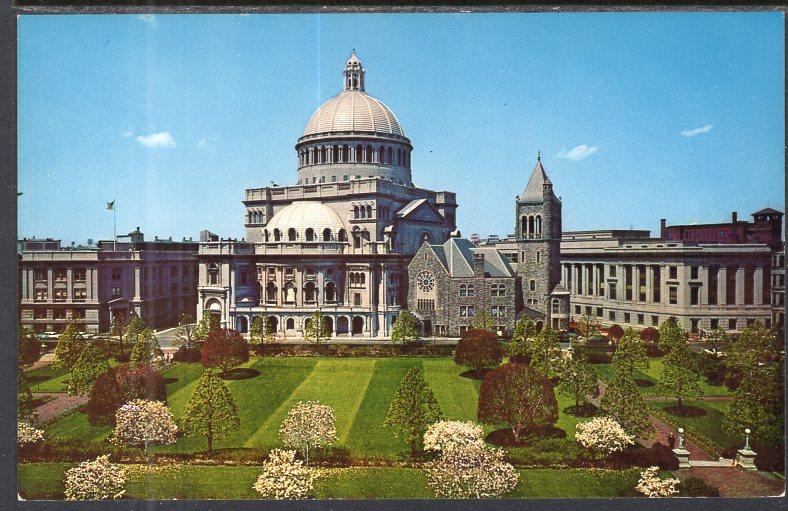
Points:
x=114 y=228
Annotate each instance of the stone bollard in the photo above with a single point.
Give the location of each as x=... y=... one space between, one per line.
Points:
x=746 y=456
x=681 y=453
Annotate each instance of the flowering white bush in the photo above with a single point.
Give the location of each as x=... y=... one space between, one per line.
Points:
x=27 y=434
x=652 y=486
x=94 y=480
x=602 y=436
x=445 y=435
x=308 y=424
x=471 y=471
x=284 y=477
x=142 y=423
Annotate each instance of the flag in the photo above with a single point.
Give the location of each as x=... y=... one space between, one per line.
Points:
x=111 y=205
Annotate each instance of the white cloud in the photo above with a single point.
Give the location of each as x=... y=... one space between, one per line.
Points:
x=161 y=139
x=150 y=19
x=697 y=131
x=578 y=152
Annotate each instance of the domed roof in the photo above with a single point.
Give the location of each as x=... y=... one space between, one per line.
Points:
x=302 y=215
x=356 y=111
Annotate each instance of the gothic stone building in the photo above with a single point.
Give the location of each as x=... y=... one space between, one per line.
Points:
x=449 y=283
x=337 y=241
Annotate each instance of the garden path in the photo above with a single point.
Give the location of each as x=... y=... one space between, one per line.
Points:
x=60 y=404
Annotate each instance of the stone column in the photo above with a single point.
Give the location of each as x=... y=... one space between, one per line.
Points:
x=595 y=280
x=280 y=285
x=757 y=287
x=703 y=297
x=649 y=283
x=299 y=284
x=740 y=285
x=232 y=286
x=722 y=285
x=137 y=283
x=50 y=286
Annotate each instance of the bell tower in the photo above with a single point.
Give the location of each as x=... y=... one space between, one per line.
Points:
x=538 y=242
x=354 y=74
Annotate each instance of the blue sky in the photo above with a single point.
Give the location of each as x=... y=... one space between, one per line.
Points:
x=638 y=116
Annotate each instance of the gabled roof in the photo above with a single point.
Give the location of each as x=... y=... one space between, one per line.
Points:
x=768 y=211
x=410 y=207
x=533 y=190
x=456 y=256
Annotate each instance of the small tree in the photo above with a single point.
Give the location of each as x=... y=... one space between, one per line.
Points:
x=91 y=364
x=546 y=352
x=24 y=397
x=308 y=425
x=141 y=423
x=68 y=348
x=482 y=321
x=29 y=349
x=446 y=435
x=602 y=436
x=588 y=326
x=630 y=353
x=473 y=471
x=519 y=396
x=260 y=331
x=615 y=333
x=520 y=344
x=211 y=411
x=478 y=349
x=284 y=477
x=678 y=378
x=95 y=480
x=205 y=326
x=650 y=485
x=623 y=401
x=718 y=342
x=671 y=335
x=146 y=348
x=316 y=330
x=185 y=333
x=650 y=335
x=578 y=380
x=122 y=384
x=413 y=409
x=224 y=349
x=404 y=330
x=126 y=330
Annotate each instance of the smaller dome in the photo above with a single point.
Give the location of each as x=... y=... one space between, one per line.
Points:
x=303 y=215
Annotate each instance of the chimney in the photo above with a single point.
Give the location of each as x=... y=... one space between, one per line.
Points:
x=734 y=217
x=478 y=264
x=663 y=226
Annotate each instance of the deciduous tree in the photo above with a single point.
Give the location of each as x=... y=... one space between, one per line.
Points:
x=140 y=423
x=413 y=409
x=308 y=425
x=615 y=332
x=260 y=331
x=578 y=380
x=91 y=364
x=588 y=327
x=478 y=349
x=482 y=320
x=519 y=396
x=473 y=471
x=316 y=330
x=520 y=344
x=546 y=352
x=29 y=349
x=446 y=435
x=622 y=401
x=404 y=330
x=679 y=378
x=602 y=436
x=185 y=333
x=95 y=480
x=68 y=348
x=630 y=353
x=146 y=348
x=122 y=384
x=205 y=326
x=211 y=410
x=224 y=349
x=284 y=477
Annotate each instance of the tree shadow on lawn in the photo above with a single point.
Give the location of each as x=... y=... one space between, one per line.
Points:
x=168 y=381
x=504 y=438
x=685 y=411
x=240 y=373
x=584 y=410
x=640 y=382
x=475 y=374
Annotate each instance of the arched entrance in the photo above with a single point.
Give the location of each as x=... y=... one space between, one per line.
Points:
x=242 y=324
x=290 y=324
x=342 y=325
x=329 y=322
x=358 y=325
x=273 y=324
x=214 y=311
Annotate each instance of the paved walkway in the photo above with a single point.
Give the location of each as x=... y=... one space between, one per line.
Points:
x=60 y=404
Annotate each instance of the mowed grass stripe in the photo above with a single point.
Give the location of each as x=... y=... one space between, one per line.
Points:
x=339 y=383
x=367 y=436
x=457 y=396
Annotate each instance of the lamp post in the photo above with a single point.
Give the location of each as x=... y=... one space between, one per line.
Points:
x=746 y=456
x=747 y=439
x=681 y=452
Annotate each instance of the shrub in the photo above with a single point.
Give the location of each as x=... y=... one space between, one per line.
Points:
x=445 y=435
x=28 y=435
x=652 y=486
x=473 y=471
x=284 y=477
x=769 y=458
x=120 y=385
x=95 y=480
x=650 y=335
x=602 y=436
x=478 y=349
x=615 y=333
x=146 y=348
x=659 y=455
x=141 y=423
x=185 y=354
x=696 y=487
x=308 y=424
x=224 y=349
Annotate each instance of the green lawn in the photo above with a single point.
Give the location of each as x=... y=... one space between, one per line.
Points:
x=709 y=425
x=44 y=481
x=359 y=390
x=653 y=373
x=49 y=379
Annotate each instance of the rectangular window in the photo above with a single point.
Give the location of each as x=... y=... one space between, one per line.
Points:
x=425 y=305
x=626 y=317
x=59 y=275
x=115 y=273
x=654 y=320
x=641 y=319
x=694 y=273
x=588 y=310
x=600 y=272
x=78 y=314
x=750 y=322
x=766 y=295
x=60 y=295
x=599 y=312
x=749 y=277
x=611 y=270
x=673 y=295
x=732 y=324
x=613 y=291
x=694 y=295
x=466 y=311
x=714 y=323
x=694 y=325
x=642 y=283
x=673 y=272
x=80 y=275
x=59 y=314
x=116 y=291
x=713 y=271
x=611 y=315
x=345 y=178
x=80 y=294
x=40 y=314
x=498 y=311
x=657 y=283
x=577 y=309
x=40 y=275
x=730 y=285
x=356 y=298
x=628 y=282
x=41 y=295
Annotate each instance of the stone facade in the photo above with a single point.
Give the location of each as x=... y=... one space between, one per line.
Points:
x=155 y=280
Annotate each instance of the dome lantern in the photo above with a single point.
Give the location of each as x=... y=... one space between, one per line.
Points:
x=354 y=74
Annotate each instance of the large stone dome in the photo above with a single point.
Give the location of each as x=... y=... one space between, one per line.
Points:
x=302 y=216
x=353 y=111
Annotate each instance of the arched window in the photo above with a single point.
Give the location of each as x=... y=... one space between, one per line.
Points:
x=359 y=153
x=389 y=158
x=213 y=274
x=524 y=225
x=345 y=154
x=356 y=240
x=323 y=155
x=368 y=154
x=538 y=224
x=291 y=234
x=326 y=234
x=355 y=212
x=290 y=293
x=532 y=285
x=358 y=325
x=463 y=290
x=399 y=156
x=381 y=155
x=265 y=232
x=425 y=236
x=363 y=211
x=277 y=235
x=290 y=324
x=335 y=155
x=369 y=211
x=310 y=293
x=531 y=228
x=270 y=292
x=498 y=290
x=342 y=235
x=243 y=324
x=310 y=234
x=330 y=292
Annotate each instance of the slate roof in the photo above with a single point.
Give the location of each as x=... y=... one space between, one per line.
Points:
x=456 y=255
x=533 y=190
x=767 y=211
x=410 y=207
